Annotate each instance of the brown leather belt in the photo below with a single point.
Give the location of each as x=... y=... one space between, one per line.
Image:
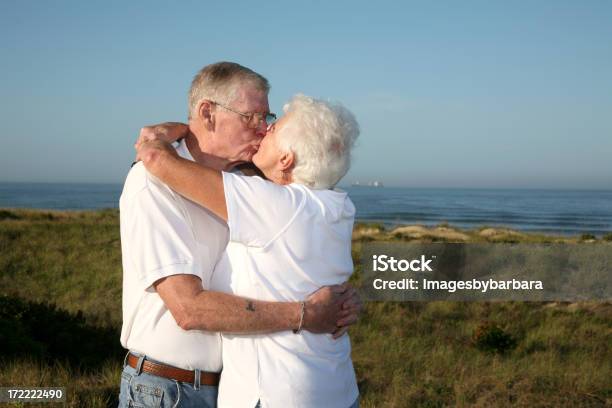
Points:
x=173 y=373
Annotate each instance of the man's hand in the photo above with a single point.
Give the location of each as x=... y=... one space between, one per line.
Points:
x=332 y=309
x=167 y=132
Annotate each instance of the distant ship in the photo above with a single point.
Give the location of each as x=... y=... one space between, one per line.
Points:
x=375 y=183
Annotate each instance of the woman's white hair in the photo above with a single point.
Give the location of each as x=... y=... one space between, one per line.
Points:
x=321 y=135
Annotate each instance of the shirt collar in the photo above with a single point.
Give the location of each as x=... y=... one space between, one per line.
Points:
x=183 y=150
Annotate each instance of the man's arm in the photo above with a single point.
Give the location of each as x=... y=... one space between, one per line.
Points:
x=195 y=308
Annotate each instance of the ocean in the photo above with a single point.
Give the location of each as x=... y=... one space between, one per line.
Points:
x=563 y=212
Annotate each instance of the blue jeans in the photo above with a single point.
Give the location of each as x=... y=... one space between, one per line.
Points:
x=142 y=390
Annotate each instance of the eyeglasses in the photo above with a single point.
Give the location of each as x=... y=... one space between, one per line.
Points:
x=254 y=119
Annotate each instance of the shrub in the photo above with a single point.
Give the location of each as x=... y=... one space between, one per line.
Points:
x=8 y=215
x=43 y=331
x=491 y=338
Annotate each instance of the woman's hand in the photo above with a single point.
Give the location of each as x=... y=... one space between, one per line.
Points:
x=153 y=153
x=165 y=132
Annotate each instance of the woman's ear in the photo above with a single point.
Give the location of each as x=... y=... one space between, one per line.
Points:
x=286 y=161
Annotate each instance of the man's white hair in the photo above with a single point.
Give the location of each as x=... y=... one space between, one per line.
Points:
x=321 y=135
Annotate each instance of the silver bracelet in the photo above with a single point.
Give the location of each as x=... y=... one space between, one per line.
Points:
x=299 y=329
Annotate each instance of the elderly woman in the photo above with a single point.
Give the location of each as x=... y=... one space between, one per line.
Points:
x=289 y=235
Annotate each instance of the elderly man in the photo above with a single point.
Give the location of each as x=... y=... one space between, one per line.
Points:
x=173 y=306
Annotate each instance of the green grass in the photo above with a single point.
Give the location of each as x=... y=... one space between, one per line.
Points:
x=60 y=316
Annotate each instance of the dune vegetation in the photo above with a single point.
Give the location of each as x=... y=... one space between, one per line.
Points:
x=60 y=318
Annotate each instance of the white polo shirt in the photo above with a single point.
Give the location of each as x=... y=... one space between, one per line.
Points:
x=164 y=234
x=285 y=243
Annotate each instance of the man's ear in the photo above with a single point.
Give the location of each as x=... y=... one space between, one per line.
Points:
x=205 y=113
x=286 y=161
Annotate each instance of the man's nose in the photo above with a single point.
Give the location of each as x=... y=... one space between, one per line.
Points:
x=262 y=129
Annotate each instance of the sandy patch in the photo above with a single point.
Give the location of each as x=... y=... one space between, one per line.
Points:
x=443 y=233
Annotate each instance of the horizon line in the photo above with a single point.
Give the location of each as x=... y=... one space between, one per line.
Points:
x=344 y=186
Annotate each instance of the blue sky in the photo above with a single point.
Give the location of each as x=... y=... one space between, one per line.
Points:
x=448 y=94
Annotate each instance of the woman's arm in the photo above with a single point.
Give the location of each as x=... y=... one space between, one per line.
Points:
x=200 y=184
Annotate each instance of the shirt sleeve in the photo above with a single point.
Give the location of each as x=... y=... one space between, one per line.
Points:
x=157 y=236
x=258 y=210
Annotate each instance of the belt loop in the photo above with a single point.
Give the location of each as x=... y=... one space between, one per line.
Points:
x=141 y=359
x=196 y=380
x=126 y=358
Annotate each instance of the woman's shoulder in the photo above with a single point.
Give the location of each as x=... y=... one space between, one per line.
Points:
x=261 y=189
x=332 y=202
